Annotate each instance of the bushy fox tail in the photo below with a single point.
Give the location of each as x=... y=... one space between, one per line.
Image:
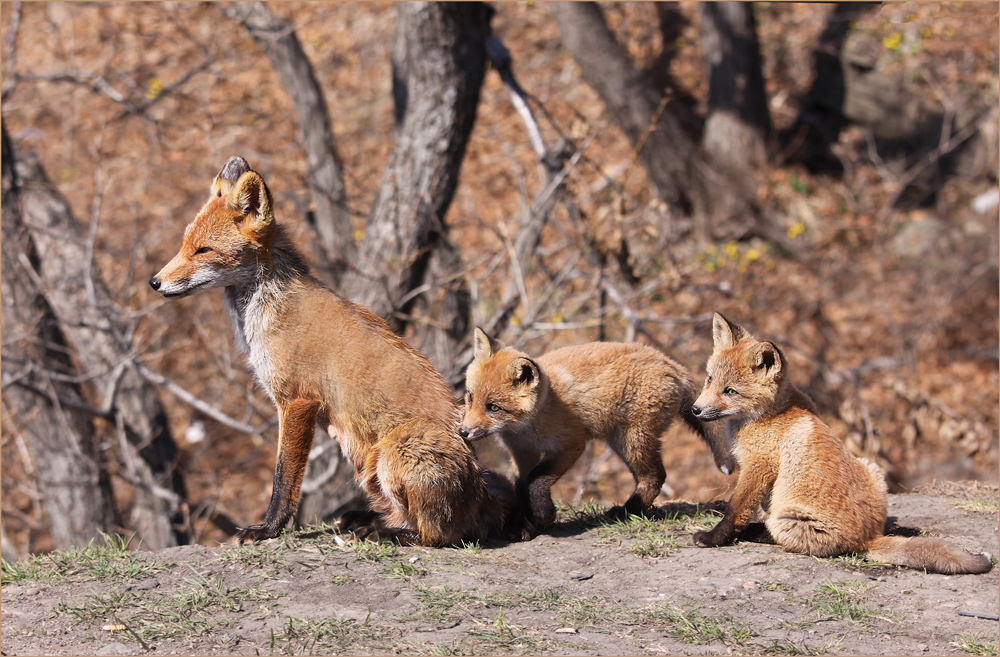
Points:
x=930 y=554
x=713 y=433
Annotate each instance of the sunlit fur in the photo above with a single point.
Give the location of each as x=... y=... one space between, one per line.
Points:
x=817 y=497
x=322 y=358
x=545 y=410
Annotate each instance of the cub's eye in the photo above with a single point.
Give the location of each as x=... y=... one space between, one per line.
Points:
x=493 y=408
x=468 y=398
x=708 y=381
x=730 y=392
x=204 y=249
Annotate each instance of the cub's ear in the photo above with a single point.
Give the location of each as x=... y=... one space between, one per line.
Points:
x=725 y=334
x=234 y=167
x=767 y=359
x=251 y=197
x=485 y=346
x=524 y=371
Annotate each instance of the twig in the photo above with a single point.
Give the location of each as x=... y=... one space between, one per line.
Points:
x=186 y=396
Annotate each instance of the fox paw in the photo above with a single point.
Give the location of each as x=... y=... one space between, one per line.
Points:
x=709 y=539
x=255 y=533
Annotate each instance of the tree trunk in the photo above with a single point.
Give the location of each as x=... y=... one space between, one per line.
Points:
x=663 y=130
x=330 y=218
x=438 y=78
x=738 y=121
x=98 y=334
x=40 y=391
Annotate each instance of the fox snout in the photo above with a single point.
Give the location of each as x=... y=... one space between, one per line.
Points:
x=706 y=413
x=473 y=434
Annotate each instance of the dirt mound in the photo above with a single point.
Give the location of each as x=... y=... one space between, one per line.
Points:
x=589 y=586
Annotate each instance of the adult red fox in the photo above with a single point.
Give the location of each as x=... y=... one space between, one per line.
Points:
x=819 y=498
x=322 y=358
x=545 y=410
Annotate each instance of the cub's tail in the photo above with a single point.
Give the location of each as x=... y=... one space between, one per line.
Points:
x=713 y=433
x=930 y=554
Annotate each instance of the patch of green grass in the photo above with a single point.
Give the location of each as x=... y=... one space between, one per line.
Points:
x=786 y=647
x=844 y=600
x=373 y=551
x=437 y=603
x=694 y=627
x=655 y=546
x=310 y=636
x=112 y=558
x=191 y=611
x=774 y=586
x=973 y=645
x=501 y=634
x=403 y=570
x=980 y=505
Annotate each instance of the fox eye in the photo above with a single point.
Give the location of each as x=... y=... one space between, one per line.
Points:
x=708 y=381
x=729 y=392
x=493 y=408
x=204 y=249
x=468 y=398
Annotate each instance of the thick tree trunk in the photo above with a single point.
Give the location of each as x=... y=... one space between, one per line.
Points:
x=40 y=391
x=98 y=334
x=687 y=177
x=330 y=217
x=738 y=121
x=443 y=48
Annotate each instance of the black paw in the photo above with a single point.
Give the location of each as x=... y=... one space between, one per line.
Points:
x=256 y=533
x=711 y=538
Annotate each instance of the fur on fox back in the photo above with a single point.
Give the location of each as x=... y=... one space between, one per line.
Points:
x=818 y=497
x=322 y=358
x=545 y=410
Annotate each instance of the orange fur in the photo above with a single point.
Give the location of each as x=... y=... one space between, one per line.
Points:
x=819 y=499
x=322 y=358
x=545 y=410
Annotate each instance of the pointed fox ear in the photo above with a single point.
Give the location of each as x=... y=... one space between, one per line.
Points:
x=486 y=346
x=234 y=167
x=725 y=334
x=251 y=197
x=766 y=358
x=524 y=371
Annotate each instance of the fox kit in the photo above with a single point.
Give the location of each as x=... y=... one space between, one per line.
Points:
x=545 y=410
x=322 y=358
x=818 y=497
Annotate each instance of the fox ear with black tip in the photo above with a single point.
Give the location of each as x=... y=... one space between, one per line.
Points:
x=234 y=167
x=725 y=334
x=485 y=346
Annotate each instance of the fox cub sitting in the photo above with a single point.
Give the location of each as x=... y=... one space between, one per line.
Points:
x=819 y=499
x=544 y=411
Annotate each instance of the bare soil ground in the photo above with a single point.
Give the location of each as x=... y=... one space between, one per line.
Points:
x=589 y=586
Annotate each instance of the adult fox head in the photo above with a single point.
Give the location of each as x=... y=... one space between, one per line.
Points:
x=502 y=388
x=744 y=375
x=228 y=240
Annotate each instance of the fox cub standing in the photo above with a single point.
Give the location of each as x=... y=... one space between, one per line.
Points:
x=324 y=359
x=818 y=497
x=544 y=411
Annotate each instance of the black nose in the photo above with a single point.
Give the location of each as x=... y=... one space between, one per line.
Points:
x=154 y=283
x=463 y=432
x=696 y=410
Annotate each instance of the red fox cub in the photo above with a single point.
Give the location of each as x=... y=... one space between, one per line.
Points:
x=818 y=497
x=545 y=410
x=322 y=358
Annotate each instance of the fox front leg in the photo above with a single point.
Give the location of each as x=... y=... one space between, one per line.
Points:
x=751 y=488
x=296 y=425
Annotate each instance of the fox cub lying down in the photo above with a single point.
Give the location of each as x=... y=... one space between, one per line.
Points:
x=818 y=497
x=545 y=410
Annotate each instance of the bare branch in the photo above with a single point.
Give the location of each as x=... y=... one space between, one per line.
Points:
x=192 y=400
